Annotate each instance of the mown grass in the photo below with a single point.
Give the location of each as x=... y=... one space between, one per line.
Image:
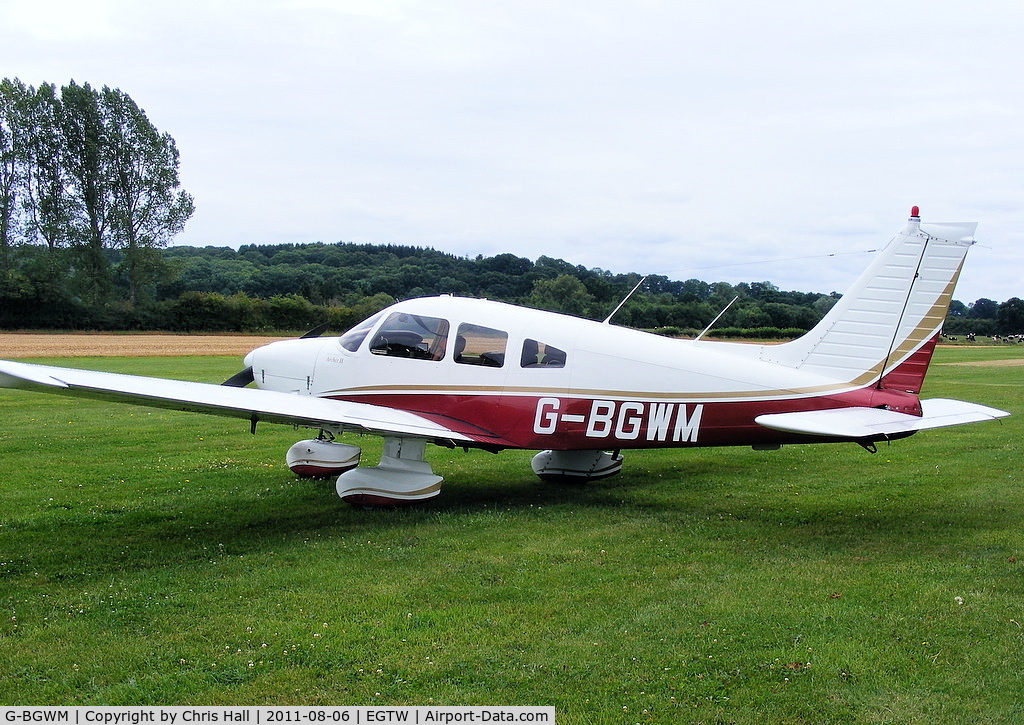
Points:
x=150 y=557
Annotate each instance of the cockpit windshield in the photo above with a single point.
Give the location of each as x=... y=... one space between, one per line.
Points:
x=352 y=339
x=414 y=336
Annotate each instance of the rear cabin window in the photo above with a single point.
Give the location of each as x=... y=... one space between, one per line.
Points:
x=479 y=345
x=541 y=355
x=413 y=336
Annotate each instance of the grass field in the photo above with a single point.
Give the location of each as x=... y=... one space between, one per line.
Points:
x=151 y=557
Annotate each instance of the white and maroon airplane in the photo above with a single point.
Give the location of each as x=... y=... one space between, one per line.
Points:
x=479 y=374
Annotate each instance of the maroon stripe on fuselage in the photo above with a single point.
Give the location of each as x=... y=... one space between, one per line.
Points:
x=576 y=423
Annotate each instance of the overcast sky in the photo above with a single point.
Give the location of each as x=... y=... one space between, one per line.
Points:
x=717 y=139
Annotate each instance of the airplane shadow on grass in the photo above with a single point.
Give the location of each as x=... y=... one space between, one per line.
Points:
x=699 y=497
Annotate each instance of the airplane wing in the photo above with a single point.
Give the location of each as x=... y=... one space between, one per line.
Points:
x=247 y=403
x=877 y=422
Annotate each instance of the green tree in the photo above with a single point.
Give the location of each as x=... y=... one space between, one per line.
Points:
x=88 y=167
x=12 y=98
x=88 y=170
x=1011 y=316
x=50 y=210
x=147 y=207
x=564 y=293
x=984 y=309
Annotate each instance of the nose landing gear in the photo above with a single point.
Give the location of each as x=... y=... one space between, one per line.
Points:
x=321 y=457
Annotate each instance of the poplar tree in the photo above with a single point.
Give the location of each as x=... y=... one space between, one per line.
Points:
x=88 y=164
x=11 y=169
x=50 y=208
x=147 y=208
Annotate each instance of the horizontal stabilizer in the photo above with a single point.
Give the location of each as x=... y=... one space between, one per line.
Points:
x=855 y=423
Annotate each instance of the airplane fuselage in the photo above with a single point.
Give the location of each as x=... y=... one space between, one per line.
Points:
x=591 y=385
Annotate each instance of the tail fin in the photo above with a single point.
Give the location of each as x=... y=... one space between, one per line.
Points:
x=883 y=330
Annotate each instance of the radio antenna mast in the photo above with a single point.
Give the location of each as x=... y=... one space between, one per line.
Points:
x=609 y=317
x=712 y=323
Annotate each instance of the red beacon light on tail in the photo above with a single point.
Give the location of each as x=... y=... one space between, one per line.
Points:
x=915 y=212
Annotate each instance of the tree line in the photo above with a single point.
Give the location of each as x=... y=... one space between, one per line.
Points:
x=265 y=288
x=90 y=199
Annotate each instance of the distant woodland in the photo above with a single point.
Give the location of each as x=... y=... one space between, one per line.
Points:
x=90 y=200
x=295 y=287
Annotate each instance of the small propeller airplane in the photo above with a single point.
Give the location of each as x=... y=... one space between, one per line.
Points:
x=475 y=373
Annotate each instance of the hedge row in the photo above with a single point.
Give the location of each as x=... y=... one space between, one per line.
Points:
x=191 y=312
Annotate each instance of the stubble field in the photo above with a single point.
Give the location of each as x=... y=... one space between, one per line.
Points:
x=28 y=344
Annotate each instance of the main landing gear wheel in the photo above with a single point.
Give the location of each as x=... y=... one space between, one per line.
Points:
x=576 y=466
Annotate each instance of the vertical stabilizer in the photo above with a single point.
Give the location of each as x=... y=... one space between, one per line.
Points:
x=884 y=327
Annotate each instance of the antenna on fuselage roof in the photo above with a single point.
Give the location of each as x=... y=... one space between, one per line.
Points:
x=618 y=306
x=712 y=323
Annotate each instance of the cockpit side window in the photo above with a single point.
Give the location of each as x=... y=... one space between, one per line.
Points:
x=538 y=354
x=414 y=336
x=352 y=339
x=479 y=345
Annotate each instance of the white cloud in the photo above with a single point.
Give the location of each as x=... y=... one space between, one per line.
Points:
x=60 y=20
